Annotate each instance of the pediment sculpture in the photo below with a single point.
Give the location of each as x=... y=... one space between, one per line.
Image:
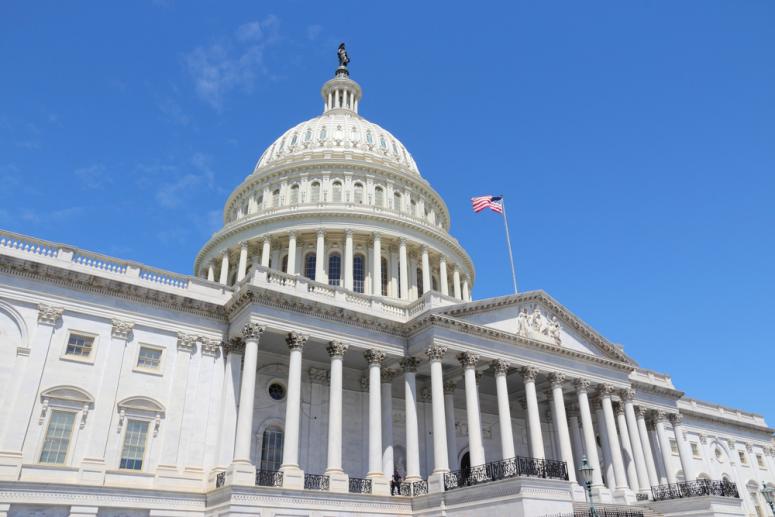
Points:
x=535 y=324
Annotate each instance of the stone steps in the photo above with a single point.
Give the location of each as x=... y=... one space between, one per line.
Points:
x=641 y=507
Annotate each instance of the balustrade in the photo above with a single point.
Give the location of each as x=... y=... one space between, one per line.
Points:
x=512 y=467
x=269 y=478
x=698 y=488
x=360 y=486
x=316 y=482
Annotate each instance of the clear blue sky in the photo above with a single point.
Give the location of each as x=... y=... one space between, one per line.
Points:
x=634 y=141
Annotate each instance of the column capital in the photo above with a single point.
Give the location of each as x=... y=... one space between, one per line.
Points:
x=376 y=236
x=211 y=346
x=660 y=416
x=243 y=245
x=409 y=364
x=387 y=375
x=450 y=387
x=252 y=331
x=676 y=419
x=468 y=359
x=436 y=352
x=187 y=342
x=292 y=234
x=296 y=341
x=121 y=329
x=618 y=408
x=627 y=394
x=336 y=349
x=49 y=315
x=529 y=373
x=321 y=232
x=582 y=385
x=443 y=260
x=557 y=379
x=641 y=411
x=606 y=390
x=374 y=357
x=235 y=345
x=500 y=366
x=424 y=249
x=348 y=232
x=402 y=241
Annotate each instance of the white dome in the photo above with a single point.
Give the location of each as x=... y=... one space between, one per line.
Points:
x=338 y=131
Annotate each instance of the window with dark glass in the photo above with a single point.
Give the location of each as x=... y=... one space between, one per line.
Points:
x=133 y=451
x=419 y=281
x=334 y=269
x=358 y=273
x=358 y=194
x=272 y=448
x=285 y=264
x=384 y=275
x=309 y=266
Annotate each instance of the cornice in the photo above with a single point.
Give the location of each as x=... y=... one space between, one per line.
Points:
x=100 y=285
x=532 y=296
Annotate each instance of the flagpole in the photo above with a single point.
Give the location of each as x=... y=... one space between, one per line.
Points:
x=508 y=243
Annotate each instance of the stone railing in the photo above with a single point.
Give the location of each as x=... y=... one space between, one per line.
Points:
x=100 y=262
x=698 y=488
x=28 y=244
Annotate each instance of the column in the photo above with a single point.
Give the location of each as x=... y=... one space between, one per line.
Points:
x=232 y=382
x=624 y=439
x=456 y=282
x=291 y=253
x=613 y=438
x=320 y=256
x=466 y=294
x=251 y=333
x=529 y=374
x=607 y=464
x=561 y=423
x=468 y=361
x=376 y=266
x=577 y=441
x=664 y=445
x=293 y=476
x=651 y=468
x=403 y=270
x=435 y=354
x=449 y=414
x=387 y=377
x=590 y=444
x=501 y=367
x=426 y=270
x=443 y=276
x=348 y=259
x=338 y=480
x=627 y=396
x=211 y=272
x=409 y=365
x=224 y=278
x=684 y=451
x=242 y=266
x=375 y=358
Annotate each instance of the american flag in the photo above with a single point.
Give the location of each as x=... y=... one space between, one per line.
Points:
x=494 y=203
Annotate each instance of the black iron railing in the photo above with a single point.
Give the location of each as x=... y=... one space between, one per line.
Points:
x=413 y=488
x=315 y=482
x=512 y=467
x=601 y=512
x=269 y=478
x=697 y=488
x=360 y=486
x=220 y=479
x=641 y=496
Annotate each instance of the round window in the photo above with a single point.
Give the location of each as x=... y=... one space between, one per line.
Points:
x=276 y=391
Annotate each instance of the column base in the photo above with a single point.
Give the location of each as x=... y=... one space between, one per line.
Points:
x=293 y=477
x=92 y=471
x=436 y=482
x=602 y=494
x=578 y=492
x=379 y=484
x=338 y=481
x=241 y=473
x=624 y=496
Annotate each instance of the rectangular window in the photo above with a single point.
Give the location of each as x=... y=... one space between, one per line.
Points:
x=149 y=358
x=60 y=428
x=134 y=445
x=79 y=345
x=743 y=459
x=673 y=446
x=760 y=461
x=695 y=450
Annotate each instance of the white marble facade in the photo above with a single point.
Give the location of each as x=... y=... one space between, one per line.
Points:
x=330 y=328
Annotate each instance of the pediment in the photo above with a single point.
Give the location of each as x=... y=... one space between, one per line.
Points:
x=67 y=394
x=141 y=404
x=537 y=316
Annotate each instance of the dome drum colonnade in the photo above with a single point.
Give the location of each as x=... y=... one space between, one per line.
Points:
x=341 y=188
x=621 y=428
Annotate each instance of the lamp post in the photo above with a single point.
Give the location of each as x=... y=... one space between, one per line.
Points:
x=586 y=473
x=769 y=495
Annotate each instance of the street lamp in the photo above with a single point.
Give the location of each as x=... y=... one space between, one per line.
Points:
x=587 y=471
x=769 y=495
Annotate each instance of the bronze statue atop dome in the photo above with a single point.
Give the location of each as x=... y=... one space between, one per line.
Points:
x=344 y=59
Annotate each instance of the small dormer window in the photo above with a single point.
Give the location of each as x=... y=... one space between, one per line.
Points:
x=369 y=138
x=382 y=142
x=282 y=144
x=395 y=151
x=322 y=133
x=308 y=135
x=294 y=139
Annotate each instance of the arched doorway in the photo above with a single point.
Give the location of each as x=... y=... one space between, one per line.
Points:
x=465 y=463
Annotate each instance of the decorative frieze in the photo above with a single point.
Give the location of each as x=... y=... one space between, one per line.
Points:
x=409 y=364
x=468 y=359
x=336 y=349
x=296 y=341
x=436 y=352
x=252 y=331
x=48 y=315
x=121 y=329
x=374 y=357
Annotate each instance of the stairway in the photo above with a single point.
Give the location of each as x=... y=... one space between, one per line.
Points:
x=639 y=507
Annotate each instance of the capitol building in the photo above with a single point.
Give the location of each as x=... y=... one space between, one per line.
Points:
x=328 y=357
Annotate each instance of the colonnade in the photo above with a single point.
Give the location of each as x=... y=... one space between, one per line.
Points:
x=622 y=426
x=409 y=269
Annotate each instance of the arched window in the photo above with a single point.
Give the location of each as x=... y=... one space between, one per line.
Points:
x=276 y=198
x=358 y=273
x=309 y=266
x=334 y=269
x=272 y=448
x=379 y=197
x=259 y=202
x=314 y=195
x=419 y=281
x=358 y=194
x=384 y=276
x=336 y=192
x=397 y=201
x=434 y=283
x=294 y=194
x=285 y=264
